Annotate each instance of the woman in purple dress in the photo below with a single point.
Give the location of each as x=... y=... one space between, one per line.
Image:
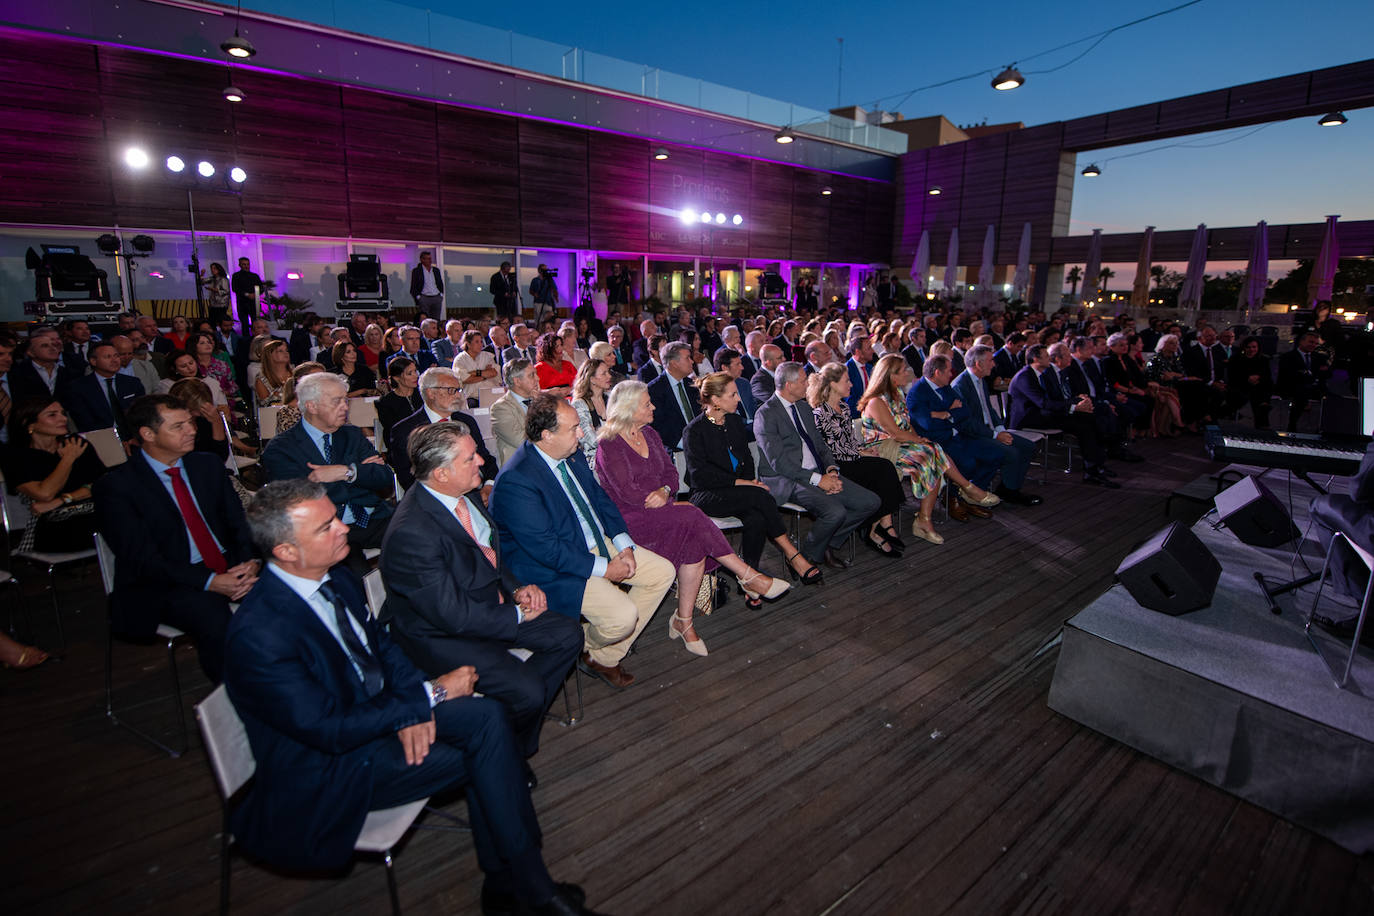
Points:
x=634 y=467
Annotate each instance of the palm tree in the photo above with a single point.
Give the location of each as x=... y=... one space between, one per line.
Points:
x=1157 y=274
x=1104 y=275
x=1073 y=276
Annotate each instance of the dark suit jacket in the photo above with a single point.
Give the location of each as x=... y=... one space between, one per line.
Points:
x=399 y=436
x=88 y=404
x=287 y=455
x=762 y=386
x=541 y=537
x=26 y=383
x=422 y=358
x=74 y=360
x=1293 y=375
x=1005 y=365
x=921 y=399
x=746 y=399
x=648 y=372
x=440 y=587
x=131 y=505
x=668 y=419
x=971 y=424
x=417 y=281
x=1032 y=404
x=310 y=722
x=750 y=367
x=915 y=358
x=1195 y=363
x=1078 y=381
x=298 y=346
x=856 y=385
x=956 y=360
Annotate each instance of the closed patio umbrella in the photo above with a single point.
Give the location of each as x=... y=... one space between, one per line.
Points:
x=1324 y=268
x=920 y=269
x=1020 y=280
x=1090 y=278
x=1256 y=272
x=1140 y=289
x=987 y=293
x=952 y=261
x=1190 y=297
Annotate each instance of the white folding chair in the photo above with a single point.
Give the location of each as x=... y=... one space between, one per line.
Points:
x=483 y=417
x=267 y=421
x=109 y=448
x=375 y=591
x=171 y=635
x=231 y=759
x=487 y=396
x=362 y=412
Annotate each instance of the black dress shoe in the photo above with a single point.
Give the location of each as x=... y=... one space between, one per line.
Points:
x=1106 y=471
x=564 y=903
x=1126 y=455
x=496 y=903
x=834 y=560
x=1018 y=497
x=1098 y=480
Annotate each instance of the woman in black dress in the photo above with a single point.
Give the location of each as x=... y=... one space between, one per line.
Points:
x=1249 y=380
x=721 y=475
x=53 y=472
x=826 y=391
x=349 y=363
x=404 y=397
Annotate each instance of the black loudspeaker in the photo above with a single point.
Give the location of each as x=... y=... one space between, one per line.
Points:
x=1255 y=515
x=1172 y=572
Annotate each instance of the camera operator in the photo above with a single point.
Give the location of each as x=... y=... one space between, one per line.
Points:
x=618 y=286
x=505 y=292
x=544 y=292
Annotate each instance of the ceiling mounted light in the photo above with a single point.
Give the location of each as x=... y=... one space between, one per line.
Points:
x=705 y=217
x=1334 y=119
x=1091 y=170
x=935 y=191
x=233 y=94
x=1009 y=78
x=661 y=153
x=238 y=46
x=826 y=192
x=720 y=219
x=175 y=164
x=737 y=219
x=135 y=158
x=688 y=216
x=206 y=169
x=785 y=135
x=237 y=175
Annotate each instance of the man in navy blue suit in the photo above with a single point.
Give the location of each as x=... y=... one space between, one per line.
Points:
x=101 y=400
x=181 y=543
x=450 y=599
x=341 y=722
x=730 y=361
x=413 y=348
x=41 y=374
x=982 y=428
x=937 y=412
x=673 y=395
x=1041 y=399
x=1008 y=360
x=325 y=449
x=859 y=364
x=1114 y=411
x=560 y=531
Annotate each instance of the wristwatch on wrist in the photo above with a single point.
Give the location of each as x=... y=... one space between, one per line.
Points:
x=352 y=474
x=438 y=692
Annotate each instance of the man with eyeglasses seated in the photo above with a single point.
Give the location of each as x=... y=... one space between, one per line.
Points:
x=413 y=348
x=324 y=448
x=443 y=395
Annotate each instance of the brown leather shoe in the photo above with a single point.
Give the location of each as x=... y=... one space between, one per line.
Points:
x=975 y=511
x=617 y=676
x=959 y=510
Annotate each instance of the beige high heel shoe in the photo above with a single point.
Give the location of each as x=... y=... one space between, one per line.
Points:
x=695 y=646
x=987 y=500
x=776 y=587
x=924 y=528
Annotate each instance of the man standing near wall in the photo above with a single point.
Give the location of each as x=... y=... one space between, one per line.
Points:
x=427 y=287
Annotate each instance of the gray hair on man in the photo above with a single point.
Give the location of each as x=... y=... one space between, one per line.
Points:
x=668 y=352
x=312 y=388
x=1117 y=338
x=438 y=376
x=517 y=368
x=787 y=372
x=434 y=446
x=269 y=515
x=975 y=353
x=1058 y=349
x=933 y=364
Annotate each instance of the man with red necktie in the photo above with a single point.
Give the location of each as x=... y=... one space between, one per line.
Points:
x=181 y=542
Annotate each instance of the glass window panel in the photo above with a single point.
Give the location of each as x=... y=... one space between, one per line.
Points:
x=17 y=284
x=305 y=269
x=166 y=275
x=397 y=259
x=467 y=273
x=671 y=282
x=561 y=262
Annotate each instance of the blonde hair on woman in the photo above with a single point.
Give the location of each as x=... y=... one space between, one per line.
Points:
x=193 y=393
x=582 y=382
x=821 y=381
x=621 y=407
x=882 y=380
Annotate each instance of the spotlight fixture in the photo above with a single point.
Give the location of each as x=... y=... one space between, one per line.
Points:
x=136 y=158
x=661 y=153
x=238 y=46
x=705 y=217
x=143 y=244
x=233 y=94
x=935 y=190
x=826 y=192
x=206 y=169
x=175 y=164
x=737 y=219
x=108 y=244
x=1334 y=119
x=785 y=135
x=1009 y=78
x=237 y=175
x=688 y=215
x=1091 y=170
x=720 y=219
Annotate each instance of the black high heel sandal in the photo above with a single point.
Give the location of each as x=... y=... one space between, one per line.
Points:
x=813 y=576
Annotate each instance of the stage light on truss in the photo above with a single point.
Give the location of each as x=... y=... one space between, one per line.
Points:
x=175 y=164
x=206 y=169
x=136 y=158
x=237 y=175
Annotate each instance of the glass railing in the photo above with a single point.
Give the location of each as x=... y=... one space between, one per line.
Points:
x=412 y=25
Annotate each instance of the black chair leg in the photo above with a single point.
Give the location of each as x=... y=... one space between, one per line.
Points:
x=391 y=884
x=176 y=696
x=56 y=614
x=224 y=866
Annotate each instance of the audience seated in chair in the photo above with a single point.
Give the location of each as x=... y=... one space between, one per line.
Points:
x=673 y=395
x=561 y=532
x=341 y=722
x=1302 y=376
x=508 y=411
x=53 y=473
x=442 y=394
x=983 y=429
x=202 y=555
x=1249 y=381
x=1038 y=399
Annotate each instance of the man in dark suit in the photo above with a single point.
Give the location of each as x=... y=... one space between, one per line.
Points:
x=325 y=449
x=1206 y=361
x=797 y=465
x=1302 y=376
x=937 y=411
x=451 y=601
x=674 y=398
x=982 y=428
x=962 y=339
x=560 y=531
x=505 y=291
x=615 y=336
x=859 y=364
x=729 y=361
x=1008 y=360
x=523 y=348
x=751 y=358
x=915 y=351
x=300 y=343
x=41 y=374
x=102 y=399
x=413 y=349
x=641 y=351
x=247 y=287
x=157 y=344
x=1113 y=412
x=427 y=286
x=236 y=345
x=1040 y=399
x=443 y=395
x=181 y=543
x=340 y=722
x=651 y=368
x=787 y=341
x=762 y=385
x=76 y=353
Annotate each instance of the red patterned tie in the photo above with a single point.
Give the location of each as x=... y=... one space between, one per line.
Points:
x=200 y=532
x=465 y=519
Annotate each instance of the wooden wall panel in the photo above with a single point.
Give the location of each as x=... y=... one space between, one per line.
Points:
x=811 y=216
x=770 y=211
x=879 y=205
x=479 y=176
x=847 y=214
x=553 y=186
x=392 y=185
x=54 y=166
x=985 y=167
x=676 y=184
x=618 y=172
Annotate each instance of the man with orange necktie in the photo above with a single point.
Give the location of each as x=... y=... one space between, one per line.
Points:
x=450 y=600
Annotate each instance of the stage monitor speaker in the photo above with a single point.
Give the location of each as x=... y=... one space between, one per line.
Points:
x=1255 y=515
x=1173 y=572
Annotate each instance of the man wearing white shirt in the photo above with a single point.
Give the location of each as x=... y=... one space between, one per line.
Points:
x=427 y=286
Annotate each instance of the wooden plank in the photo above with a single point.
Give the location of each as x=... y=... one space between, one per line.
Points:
x=554 y=196
x=618 y=175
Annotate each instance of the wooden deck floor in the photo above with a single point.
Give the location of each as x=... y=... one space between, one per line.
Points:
x=879 y=751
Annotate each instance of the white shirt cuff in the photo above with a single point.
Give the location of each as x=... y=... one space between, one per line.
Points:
x=815 y=479
x=429 y=692
x=623 y=542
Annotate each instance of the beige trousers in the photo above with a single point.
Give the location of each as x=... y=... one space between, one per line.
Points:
x=615 y=619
